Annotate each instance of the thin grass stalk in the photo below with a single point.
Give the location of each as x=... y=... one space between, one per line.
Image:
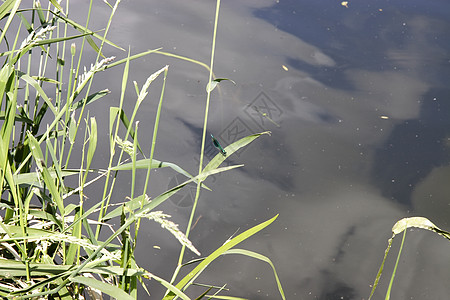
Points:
x=73 y=248
x=18 y=203
x=59 y=77
x=155 y=133
x=70 y=79
x=26 y=96
x=88 y=18
x=96 y=60
x=107 y=195
x=133 y=160
x=69 y=104
x=391 y=282
x=205 y=123
x=11 y=16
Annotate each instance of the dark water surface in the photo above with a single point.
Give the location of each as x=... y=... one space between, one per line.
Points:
x=357 y=99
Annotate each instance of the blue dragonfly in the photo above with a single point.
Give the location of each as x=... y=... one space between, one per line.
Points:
x=218 y=146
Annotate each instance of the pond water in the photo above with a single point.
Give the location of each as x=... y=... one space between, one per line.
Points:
x=356 y=96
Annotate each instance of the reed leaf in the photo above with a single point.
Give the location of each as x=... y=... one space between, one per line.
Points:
x=187 y=280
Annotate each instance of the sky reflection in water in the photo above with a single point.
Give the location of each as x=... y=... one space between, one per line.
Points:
x=358 y=97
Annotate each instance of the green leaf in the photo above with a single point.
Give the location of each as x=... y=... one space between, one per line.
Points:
x=57 y=167
x=11 y=7
x=45 y=42
x=92 y=98
x=262 y=258
x=130 y=58
x=13 y=268
x=135 y=203
x=39 y=158
x=5 y=74
x=6 y=7
x=106 y=288
x=92 y=143
x=49 y=80
x=204 y=293
x=72 y=128
x=170 y=287
x=230 y=149
x=212 y=85
x=113 y=112
x=418 y=222
x=17 y=118
x=40 y=13
x=58 y=7
x=38 y=89
x=143 y=164
x=33 y=178
x=184 y=283
x=225 y=297
x=85 y=31
x=46 y=216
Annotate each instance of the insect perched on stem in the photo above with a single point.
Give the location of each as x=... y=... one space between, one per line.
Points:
x=218 y=146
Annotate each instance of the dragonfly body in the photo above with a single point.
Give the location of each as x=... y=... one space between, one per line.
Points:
x=218 y=146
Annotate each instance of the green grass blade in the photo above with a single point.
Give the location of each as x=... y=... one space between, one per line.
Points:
x=41 y=43
x=15 y=268
x=183 y=58
x=58 y=7
x=106 y=288
x=212 y=85
x=131 y=205
x=114 y=111
x=6 y=7
x=144 y=164
x=225 y=297
x=173 y=289
x=61 y=39
x=5 y=138
x=380 y=270
x=38 y=9
x=92 y=144
x=39 y=158
x=418 y=222
x=5 y=74
x=262 y=258
x=72 y=128
x=230 y=149
x=391 y=282
x=230 y=244
x=32 y=178
x=135 y=203
x=9 y=6
x=18 y=118
x=122 y=61
x=57 y=167
x=204 y=293
x=28 y=79
x=92 y=98
x=6 y=173
x=87 y=31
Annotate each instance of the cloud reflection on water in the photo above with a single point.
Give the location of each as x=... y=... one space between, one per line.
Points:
x=334 y=221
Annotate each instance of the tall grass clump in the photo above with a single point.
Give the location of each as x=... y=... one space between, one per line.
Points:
x=52 y=242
